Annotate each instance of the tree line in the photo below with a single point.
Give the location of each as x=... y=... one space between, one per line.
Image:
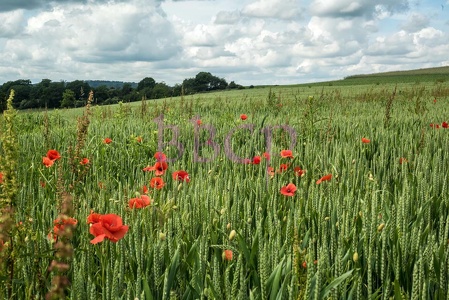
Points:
x=49 y=94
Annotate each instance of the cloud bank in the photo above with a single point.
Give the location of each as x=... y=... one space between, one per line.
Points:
x=247 y=41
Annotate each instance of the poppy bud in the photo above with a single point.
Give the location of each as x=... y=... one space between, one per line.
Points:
x=162 y=236
x=179 y=186
x=227 y=255
x=222 y=211
x=326 y=219
x=232 y=235
x=355 y=257
x=228 y=226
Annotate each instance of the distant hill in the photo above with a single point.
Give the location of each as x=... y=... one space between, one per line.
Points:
x=426 y=71
x=431 y=75
x=109 y=83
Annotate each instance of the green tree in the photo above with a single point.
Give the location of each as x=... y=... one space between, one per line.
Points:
x=68 y=98
x=233 y=85
x=161 y=90
x=189 y=86
x=203 y=82
x=80 y=88
x=146 y=83
x=22 y=88
x=177 y=90
x=53 y=94
x=39 y=93
x=101 y=94
x=126 y=89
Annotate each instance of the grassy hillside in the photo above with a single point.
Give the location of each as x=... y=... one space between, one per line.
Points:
x=427 y=76
x=425 y=71
x=288 y=192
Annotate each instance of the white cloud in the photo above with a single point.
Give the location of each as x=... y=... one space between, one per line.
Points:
x=357 y=8
x=11 y=23
x=416 y=22
x=399 y=43
x=227 y=17
x=122 y=31
x=282 y=9
x=247 y=41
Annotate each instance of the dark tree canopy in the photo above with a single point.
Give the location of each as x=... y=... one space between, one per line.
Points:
x=71 y=94
x=204 y=82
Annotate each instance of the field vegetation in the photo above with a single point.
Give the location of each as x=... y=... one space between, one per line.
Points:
x=316 y=191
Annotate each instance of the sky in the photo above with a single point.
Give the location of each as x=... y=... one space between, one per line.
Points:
x=250 y=42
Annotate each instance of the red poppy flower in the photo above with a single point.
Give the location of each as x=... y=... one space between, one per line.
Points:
x=270 y=171
x=256 y=160
x=157 y=183
x=283 y=168
x=53 y=154
x=198 y=122
x=324 y=178
x=402 y=160
x=299 y=172
x=110 y=227
x=160 y=168
x=286 y=153
x=288 y=190
x=145 y=189
x=243 y=117
x=445 y=125
x=60 y=224
x=101 y=185
x=107 y=141
x=181 y=176
x=43 y=183
x=84 y=161
x=139 y=202
x=227 y=255
x=266 y=155
x=139 y=139
x=1 y=177
x=160 y=157
x=47 y=162
x=435 y=100
x=93 y=218
x=366 y=141
x=148 y=169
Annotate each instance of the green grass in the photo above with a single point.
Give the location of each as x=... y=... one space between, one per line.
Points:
x=377 y=229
